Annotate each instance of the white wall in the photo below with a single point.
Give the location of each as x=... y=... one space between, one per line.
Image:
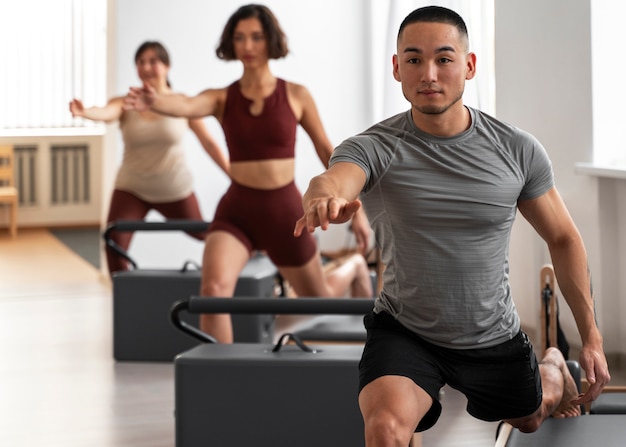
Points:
x=608 y=98
x=546 y=85
x=324 y=57
x=608 y=143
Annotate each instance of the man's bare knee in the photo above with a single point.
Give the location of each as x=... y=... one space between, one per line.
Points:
x=385 y=427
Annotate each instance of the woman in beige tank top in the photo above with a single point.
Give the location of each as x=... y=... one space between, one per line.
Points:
x=153 y=173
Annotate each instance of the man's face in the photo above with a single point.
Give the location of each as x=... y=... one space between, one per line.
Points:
x=433 y=64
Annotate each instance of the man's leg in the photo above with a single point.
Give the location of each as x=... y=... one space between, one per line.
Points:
x=392 y=407
x=558 y=388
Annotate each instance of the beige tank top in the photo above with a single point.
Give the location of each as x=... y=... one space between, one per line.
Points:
x=154 y=167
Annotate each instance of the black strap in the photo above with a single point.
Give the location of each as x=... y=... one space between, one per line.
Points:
x=190 y=263
x=284 y=339
x=546 y=294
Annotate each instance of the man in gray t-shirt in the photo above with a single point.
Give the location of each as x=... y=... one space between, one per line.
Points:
x=441 y=185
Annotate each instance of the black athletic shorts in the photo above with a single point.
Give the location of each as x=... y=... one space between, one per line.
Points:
x=500 y=382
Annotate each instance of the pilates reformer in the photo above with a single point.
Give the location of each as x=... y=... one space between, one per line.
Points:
x=142 y=297
x=279 y=394
x=601 y=423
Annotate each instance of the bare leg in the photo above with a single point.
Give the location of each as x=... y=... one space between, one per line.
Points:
x=307 y=280
x=558 y=387
x=223 y=260
x=564 y=409
x=349 y=275
x=336 y=280
x=392 y=407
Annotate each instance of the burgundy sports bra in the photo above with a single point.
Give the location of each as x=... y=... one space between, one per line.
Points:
x=272 y=134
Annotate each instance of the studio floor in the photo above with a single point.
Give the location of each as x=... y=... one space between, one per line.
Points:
x=59 y=384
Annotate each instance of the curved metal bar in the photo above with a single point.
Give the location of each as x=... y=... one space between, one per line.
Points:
x=176 y=309
x=190 y=226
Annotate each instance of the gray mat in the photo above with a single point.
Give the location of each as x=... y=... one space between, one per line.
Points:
x=83 y=241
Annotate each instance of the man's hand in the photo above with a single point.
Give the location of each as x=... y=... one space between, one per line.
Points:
x=324 y=211
x=593 y=361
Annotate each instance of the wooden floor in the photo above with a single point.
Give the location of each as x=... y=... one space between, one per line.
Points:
x=59 y=385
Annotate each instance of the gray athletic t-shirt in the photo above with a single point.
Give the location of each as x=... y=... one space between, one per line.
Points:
x=442 y=211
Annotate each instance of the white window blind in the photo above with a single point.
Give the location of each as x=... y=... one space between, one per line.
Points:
x=51 y=52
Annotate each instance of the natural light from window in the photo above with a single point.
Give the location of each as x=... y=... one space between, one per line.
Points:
x=52 y=51
x=609 y=147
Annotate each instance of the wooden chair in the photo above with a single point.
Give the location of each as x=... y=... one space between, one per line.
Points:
x=8 y=191
x=549 y=335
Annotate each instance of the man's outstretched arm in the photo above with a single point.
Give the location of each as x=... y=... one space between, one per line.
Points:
x=332 y=197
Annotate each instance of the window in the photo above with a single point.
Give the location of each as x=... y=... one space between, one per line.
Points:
x=52 y=51
x=608 y=96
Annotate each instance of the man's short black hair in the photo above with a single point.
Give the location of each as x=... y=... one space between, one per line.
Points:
x=435 y=14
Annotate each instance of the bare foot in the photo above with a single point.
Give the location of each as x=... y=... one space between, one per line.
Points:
x=565 y=409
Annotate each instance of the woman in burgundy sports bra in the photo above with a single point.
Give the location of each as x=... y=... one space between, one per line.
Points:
x=259 y=114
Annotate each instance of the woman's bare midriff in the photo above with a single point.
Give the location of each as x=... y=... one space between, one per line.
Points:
x=263 y=174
